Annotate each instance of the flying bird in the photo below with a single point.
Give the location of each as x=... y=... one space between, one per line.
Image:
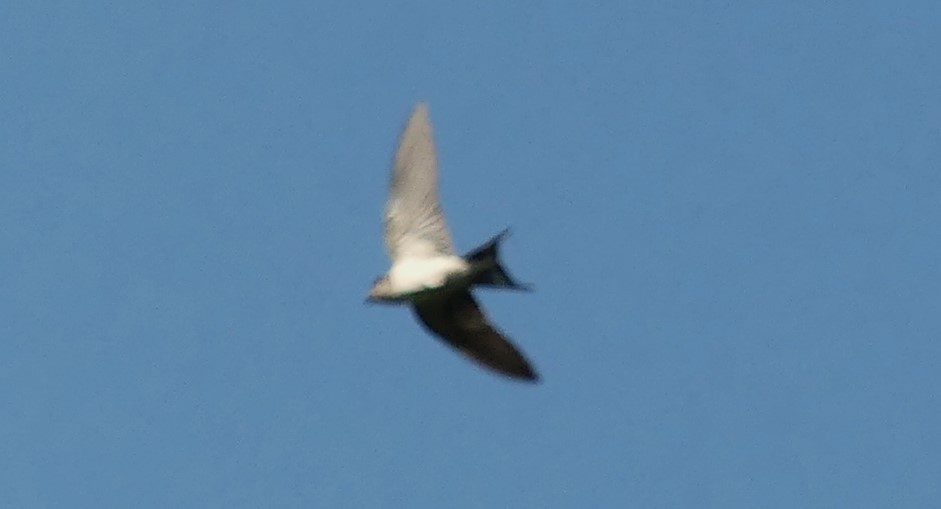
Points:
x=427 y=273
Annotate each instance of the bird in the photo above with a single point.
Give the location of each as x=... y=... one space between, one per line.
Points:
x=427 y=273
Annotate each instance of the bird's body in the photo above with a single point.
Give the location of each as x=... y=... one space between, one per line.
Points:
x=415 y=276
x=427 y=273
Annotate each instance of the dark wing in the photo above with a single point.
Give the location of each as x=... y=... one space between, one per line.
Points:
x=458 y=320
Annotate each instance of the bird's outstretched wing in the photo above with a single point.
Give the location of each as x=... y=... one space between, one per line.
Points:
x=457 y=319
x=414 y=223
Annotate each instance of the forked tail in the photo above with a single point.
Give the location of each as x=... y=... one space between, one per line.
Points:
x=490 y=272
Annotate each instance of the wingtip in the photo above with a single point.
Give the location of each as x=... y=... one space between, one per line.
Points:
x=421 y=108
x=531 y=377
x=523 y=373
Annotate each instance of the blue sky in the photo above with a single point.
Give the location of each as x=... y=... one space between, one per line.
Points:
x=730 y=211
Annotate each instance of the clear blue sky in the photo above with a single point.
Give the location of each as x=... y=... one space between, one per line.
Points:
x=731 y=212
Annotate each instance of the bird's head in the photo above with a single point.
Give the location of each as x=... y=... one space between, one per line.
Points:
x=381 y=290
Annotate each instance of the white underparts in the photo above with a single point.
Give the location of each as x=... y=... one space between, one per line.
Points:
x=417 y=274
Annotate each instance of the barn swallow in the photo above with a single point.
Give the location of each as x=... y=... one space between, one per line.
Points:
x=427 y=274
